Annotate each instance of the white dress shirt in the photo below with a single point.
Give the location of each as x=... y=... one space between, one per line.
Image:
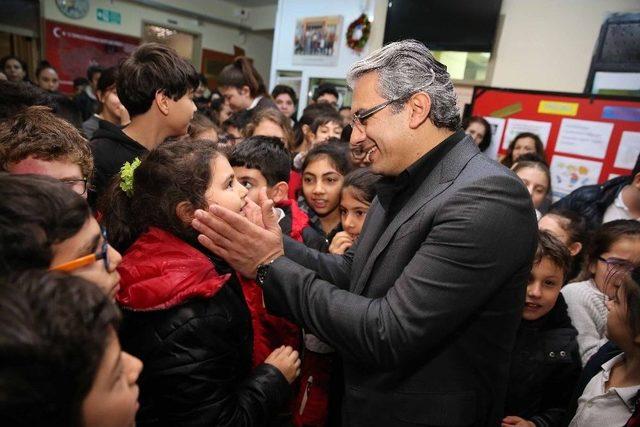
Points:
x=598 y=408
x=617 y=210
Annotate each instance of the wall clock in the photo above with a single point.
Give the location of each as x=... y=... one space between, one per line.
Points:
x=74 y=9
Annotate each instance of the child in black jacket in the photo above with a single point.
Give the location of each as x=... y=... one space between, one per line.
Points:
x=545 y=362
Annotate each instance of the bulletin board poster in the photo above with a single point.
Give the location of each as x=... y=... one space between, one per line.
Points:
x=72 y=49
x=587 y=138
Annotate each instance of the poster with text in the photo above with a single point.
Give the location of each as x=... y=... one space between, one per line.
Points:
x=497 y=128
x=517 y=126
x=71 y=50
x=569 y=173
x=584 y=137
x=628 y=150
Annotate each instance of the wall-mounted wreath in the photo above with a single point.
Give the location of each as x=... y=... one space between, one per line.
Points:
x=358 y=32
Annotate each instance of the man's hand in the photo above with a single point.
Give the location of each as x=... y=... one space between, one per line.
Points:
x=243 y=244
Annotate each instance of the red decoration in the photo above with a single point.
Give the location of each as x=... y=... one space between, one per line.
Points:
x=72 y=49
x=358 y=33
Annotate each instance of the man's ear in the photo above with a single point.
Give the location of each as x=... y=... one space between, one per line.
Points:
x=162 y=102
x=185 y=212
x=278 y=192
x=420 y=106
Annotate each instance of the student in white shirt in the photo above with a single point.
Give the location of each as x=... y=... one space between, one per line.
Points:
x=609 y=398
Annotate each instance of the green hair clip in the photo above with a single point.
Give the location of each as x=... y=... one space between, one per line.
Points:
x=126 y=176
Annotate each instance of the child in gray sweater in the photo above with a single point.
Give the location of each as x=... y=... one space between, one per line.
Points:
x=614 y=250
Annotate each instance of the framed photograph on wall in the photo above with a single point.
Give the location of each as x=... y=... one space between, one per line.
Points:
x=317 y=40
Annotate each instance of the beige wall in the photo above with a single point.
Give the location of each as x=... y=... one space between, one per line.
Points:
x=548 y=44
x=216 y=37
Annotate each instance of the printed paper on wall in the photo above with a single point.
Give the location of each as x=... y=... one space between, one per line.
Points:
x=517 y=126
x=584 y=137
x=569 y=173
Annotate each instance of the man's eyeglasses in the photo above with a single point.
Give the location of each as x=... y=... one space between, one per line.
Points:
x=618 y=264
x=88 y=259
x=360 y=152
x=78 y=185
x=359 y=118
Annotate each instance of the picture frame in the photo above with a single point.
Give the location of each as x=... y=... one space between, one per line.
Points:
x=317 y=40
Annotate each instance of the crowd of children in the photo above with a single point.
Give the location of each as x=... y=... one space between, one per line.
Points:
x=112 y=313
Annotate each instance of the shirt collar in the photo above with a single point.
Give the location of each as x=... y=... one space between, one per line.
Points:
x=388 y=187
x=89 y=91
x=627 y=394
x=254 y=102
x=619 y=202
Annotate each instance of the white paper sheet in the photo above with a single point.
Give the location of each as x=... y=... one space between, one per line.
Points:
x=516 y=126
x=584 y=137
x=620 y=81
x=569 y=173
x=497 y=127
x=628 y=150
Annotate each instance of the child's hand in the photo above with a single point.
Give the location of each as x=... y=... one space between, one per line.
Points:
x=340 y=243
x=513 y=421
x=287 y=361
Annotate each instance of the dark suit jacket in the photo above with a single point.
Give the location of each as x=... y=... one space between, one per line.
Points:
x=425 y=316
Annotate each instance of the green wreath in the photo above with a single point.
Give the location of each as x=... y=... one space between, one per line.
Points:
x=364 y=25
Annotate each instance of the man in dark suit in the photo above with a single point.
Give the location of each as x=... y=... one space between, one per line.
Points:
x=424 y=307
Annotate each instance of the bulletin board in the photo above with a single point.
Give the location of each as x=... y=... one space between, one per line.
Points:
x=72 y=49
x=588 y=139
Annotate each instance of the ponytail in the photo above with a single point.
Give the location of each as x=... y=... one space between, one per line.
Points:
x=251 y=76
x=242 y=73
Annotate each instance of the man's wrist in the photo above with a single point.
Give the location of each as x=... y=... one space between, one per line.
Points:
x=263 y=269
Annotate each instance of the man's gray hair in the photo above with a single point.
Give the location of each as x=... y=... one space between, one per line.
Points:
x=407 y=67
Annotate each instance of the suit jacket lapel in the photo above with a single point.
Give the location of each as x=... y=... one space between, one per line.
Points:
x=437 y=181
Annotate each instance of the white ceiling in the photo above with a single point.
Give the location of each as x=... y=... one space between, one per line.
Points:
x=253 y=3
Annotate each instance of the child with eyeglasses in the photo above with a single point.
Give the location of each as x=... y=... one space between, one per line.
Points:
x=614 y=251
x=35 y=141
x=46 y=225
